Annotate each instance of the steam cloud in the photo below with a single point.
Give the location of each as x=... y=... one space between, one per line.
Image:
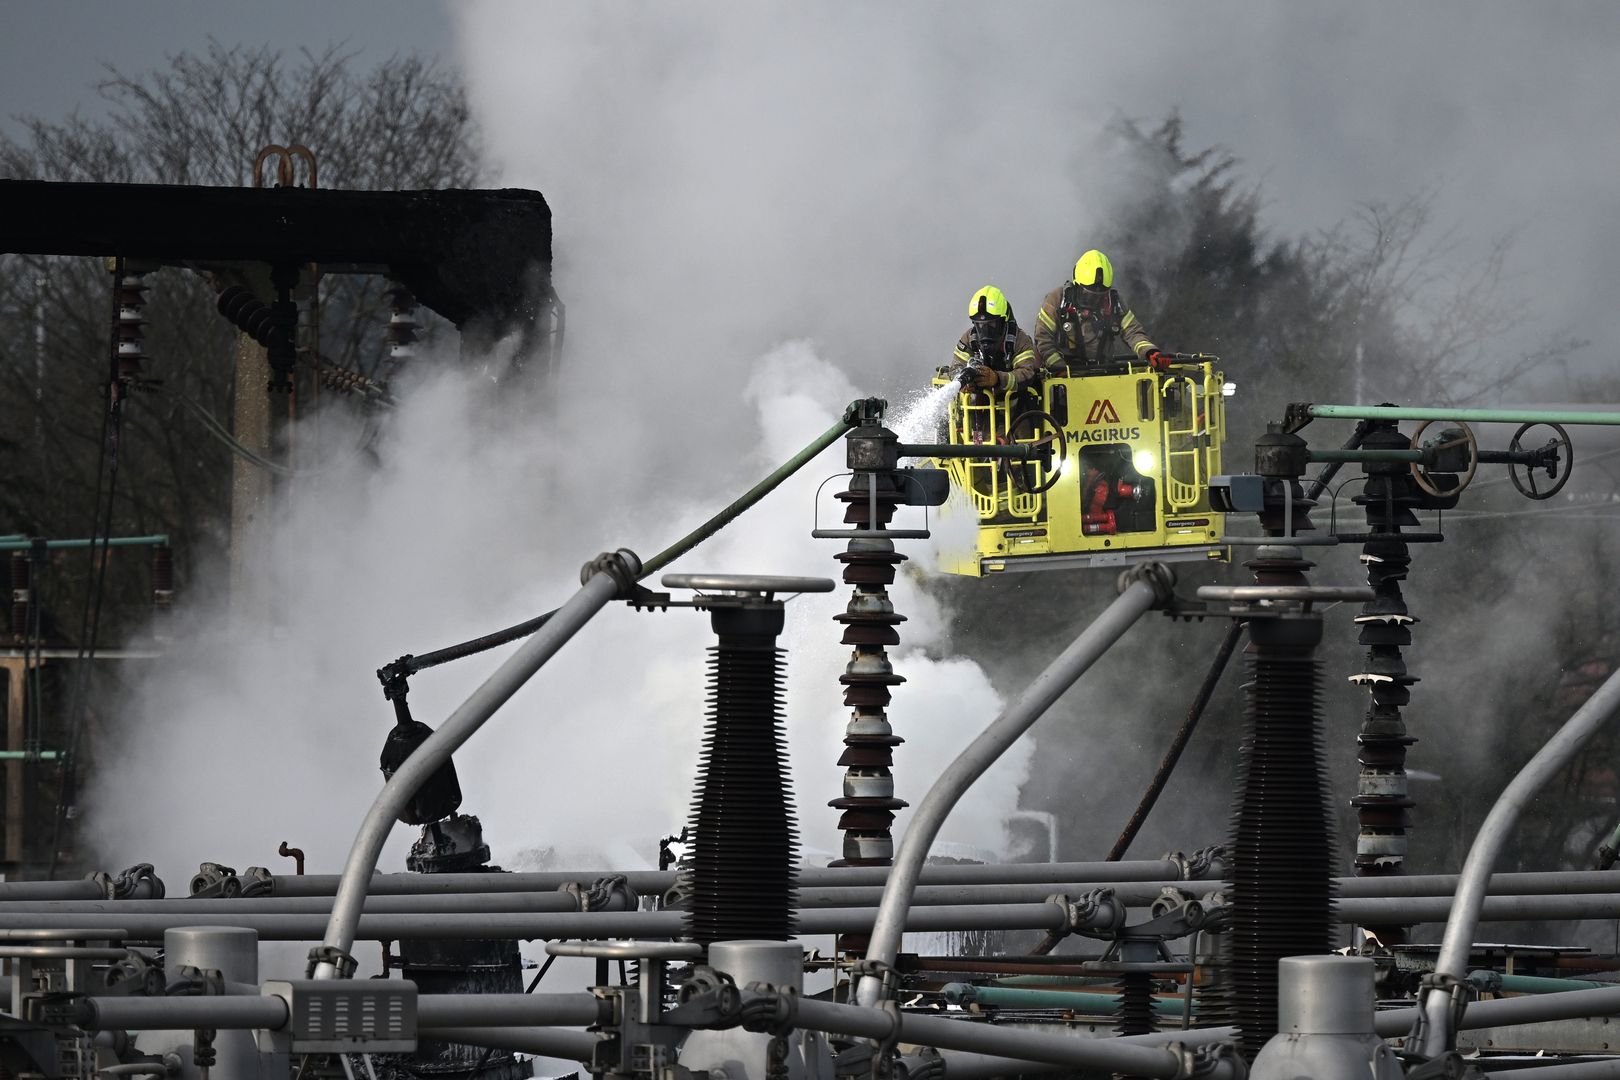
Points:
x=761 y=213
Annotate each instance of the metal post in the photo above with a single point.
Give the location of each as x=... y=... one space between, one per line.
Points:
x=1142 y=589
x=234 y=952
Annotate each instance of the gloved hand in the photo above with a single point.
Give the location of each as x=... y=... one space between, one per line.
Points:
x=986 y=378
x=1157 y=360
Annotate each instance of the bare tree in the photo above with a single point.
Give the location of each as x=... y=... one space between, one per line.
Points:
x=202 y=120
x=401 y=124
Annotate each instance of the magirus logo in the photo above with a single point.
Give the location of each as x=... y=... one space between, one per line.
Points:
x=1102 y=412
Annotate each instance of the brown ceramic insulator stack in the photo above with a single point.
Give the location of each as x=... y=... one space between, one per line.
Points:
x=1382 y=801
x=868 y=803
x=402 y=331
x=131 y=341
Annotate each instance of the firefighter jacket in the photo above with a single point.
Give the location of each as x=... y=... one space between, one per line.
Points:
x=1016 y=355
x=1067 y=333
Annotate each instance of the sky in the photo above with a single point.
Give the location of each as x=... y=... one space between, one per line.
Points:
x=1506 y=110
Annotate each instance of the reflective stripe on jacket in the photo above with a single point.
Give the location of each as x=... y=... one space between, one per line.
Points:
x=1022 y=363
x=1090 y=340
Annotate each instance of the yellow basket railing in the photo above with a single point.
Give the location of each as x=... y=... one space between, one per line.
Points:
x=1186 y=458
x=987 y=482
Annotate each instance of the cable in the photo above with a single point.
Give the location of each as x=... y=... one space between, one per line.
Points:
x=1177 y=745
x=218 y=430
x=545 y=967
x=410 y=664
x=90 y=620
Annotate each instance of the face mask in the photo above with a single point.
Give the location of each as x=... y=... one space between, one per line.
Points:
x=988 y=331
x=1097 y=301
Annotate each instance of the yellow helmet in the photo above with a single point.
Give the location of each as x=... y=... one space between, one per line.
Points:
x=989 y=301
x=1094 y=271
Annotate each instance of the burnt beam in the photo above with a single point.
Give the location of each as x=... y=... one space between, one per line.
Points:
x=480 y=258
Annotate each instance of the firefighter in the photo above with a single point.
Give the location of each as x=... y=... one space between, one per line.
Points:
x=994 y=354
x=1081 y=319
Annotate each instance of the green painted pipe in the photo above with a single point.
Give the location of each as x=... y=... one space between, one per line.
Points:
x=1531 y=984
x=25 y=543
x=1474 y=416
x=1011 y=998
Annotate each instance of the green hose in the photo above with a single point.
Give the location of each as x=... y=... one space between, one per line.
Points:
x=1472 y=416
x=408 y=665
x=746 y=499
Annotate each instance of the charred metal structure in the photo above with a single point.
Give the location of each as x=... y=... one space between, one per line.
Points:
x=481 y=259
x=456 y=845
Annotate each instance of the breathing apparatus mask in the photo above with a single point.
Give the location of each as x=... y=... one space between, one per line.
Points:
x=988 y=336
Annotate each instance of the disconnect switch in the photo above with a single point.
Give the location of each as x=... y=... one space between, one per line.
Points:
x=337 y=1016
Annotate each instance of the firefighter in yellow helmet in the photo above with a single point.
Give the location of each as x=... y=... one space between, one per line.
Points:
x=994 y=354
x=1082 y=319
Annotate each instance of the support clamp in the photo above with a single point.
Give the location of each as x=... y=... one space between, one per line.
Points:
x=331 y=954
x=623 y=566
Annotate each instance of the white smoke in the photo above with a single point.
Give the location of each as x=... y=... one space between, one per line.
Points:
x=747 y=240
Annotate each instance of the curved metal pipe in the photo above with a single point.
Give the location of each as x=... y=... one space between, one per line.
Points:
x=1146 y=589
x=600 y=587
x=1487 y=847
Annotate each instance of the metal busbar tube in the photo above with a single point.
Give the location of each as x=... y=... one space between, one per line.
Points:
x=1452 y=963
x=1143 y=589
